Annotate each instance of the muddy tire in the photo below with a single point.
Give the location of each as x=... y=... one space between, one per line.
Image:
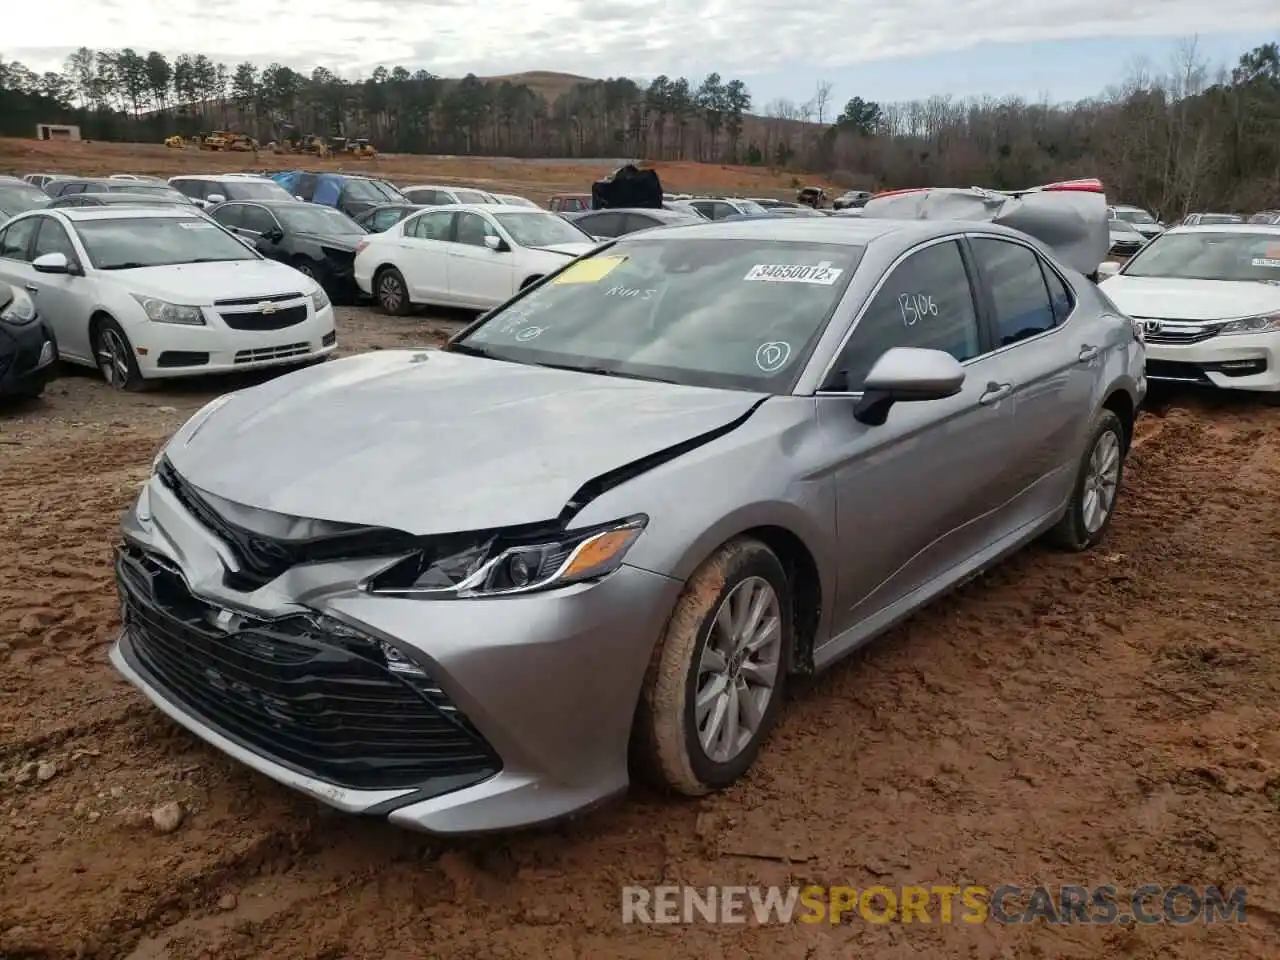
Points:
x=720 y=665
x=1098 y=482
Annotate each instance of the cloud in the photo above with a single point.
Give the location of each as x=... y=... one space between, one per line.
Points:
x=737 y=38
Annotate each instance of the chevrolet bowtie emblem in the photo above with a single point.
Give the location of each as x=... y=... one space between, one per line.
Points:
x=266 y=306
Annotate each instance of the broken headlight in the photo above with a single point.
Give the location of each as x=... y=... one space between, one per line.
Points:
x=495 y=564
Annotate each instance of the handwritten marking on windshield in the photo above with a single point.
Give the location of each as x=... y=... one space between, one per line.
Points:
x=821 y=273
x=629 y=292
x=773 y=356
x=1266 y=262
x=197 y=226
x=915 y=306
x=530 y=333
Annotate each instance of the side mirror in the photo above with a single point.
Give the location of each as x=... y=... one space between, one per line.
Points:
x=1108 y=268
x=215 y=198
x=496 y=244
x=52 y=263
x=907 y=375
x=300 y=198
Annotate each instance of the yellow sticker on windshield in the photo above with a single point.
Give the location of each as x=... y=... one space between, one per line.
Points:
x=590 y=271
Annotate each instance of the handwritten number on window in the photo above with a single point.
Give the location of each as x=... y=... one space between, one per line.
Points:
x=916 y=306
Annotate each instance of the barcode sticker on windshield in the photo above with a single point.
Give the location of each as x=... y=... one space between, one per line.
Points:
x=590 y=271
x=1265 y=262
x=821 y=273
x=197 y=226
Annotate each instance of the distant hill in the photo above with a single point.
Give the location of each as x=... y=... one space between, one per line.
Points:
x=548 y=84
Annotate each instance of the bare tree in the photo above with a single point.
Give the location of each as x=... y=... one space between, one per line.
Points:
x=821 y=98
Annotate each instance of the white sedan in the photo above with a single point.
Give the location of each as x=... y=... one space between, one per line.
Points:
x=143 y=293
x=1208 y=300
x=464 y=255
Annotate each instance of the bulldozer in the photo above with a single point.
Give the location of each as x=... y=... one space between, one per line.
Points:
x=218 y=140
x=315 y=146
x=175 y=142
x=241 y=143
x=362 y=149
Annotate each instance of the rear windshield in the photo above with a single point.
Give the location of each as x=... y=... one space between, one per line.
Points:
x=253 y=190
x=16 y=198
x=720 y=313
x=471 y=196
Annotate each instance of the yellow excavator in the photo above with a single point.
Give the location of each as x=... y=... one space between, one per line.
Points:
x=175 y=142
x=362 y=149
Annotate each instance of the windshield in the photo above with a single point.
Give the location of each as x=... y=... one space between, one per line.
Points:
x=1220 y=218
x=750 y=206
x=16 y=198
x=471 y=196
x=1120 y=226
x=705 y=312
x=513 y=201
x=372 y=191
x=1209 y=256
x=312 y=218
x=126 y=243
x=254 y=190
x=540 y=229
x=1135 y=216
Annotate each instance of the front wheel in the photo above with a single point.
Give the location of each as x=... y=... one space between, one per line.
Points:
x=718 y=675
x=1093 y=500
x=114 y=354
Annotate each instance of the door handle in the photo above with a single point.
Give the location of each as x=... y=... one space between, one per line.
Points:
x=33 y=288
x=995 y=393
x=1088 y=353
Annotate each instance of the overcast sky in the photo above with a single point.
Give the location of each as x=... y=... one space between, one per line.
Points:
x=1065 y=49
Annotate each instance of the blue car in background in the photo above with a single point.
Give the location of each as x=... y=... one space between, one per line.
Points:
x=353 y=195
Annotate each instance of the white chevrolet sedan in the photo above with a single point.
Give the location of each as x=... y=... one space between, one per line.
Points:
x=1208 y=300
x=145 y=293
x=464 y=255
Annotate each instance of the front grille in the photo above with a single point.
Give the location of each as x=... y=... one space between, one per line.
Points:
x=273 y=319
x=310 y=694
x=1175 y=331
x=273 y=353
x=261 y=558
x=182 y=358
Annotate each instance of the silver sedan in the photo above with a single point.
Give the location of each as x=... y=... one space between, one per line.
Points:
x=462 y=589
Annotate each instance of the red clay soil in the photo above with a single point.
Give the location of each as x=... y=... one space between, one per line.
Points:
x=537 y=180
x=1112 y=717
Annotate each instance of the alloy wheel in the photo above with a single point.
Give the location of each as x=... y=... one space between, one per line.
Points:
x=738 y=669
x=1101 y=482
x=389 y=293
x=113 y=358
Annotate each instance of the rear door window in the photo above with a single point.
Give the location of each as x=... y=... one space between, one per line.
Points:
x=1018 y=291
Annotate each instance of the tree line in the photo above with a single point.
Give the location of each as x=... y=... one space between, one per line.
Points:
x=1177 y=138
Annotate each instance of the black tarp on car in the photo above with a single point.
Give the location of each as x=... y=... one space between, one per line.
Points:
x=627 y=186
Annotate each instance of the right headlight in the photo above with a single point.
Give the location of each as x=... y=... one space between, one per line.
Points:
x=162 y=311
x=1264 y=323
x=497 y=564
x=21 y=309
x=319 y=300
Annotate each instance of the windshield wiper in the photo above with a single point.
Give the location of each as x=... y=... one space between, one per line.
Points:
x=131 y=265
x=469 y=350
x=603 y=372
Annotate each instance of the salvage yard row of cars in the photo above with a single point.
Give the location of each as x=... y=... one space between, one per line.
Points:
x=598 y=533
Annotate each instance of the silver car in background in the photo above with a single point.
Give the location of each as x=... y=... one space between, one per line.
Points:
x=471 y=589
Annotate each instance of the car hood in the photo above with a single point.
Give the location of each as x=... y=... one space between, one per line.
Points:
x=1191 y=299
x=435 y=442
x=573 y=248
x=203 y=283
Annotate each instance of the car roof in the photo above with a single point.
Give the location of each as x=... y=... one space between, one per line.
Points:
x=273 y=202
x=660 y=213
x=1261 y=229
x=125 y=212
x=487 y=208
x=123 y=199
x=853 y=231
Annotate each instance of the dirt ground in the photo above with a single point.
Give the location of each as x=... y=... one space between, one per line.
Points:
x=1111 y=717
x=537 y=180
